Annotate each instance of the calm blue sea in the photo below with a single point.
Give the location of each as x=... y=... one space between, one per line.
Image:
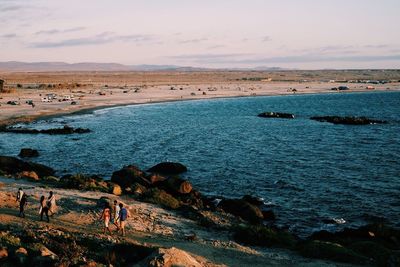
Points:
x=308 y=171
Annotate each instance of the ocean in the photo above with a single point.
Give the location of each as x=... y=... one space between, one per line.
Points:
x=314 y=175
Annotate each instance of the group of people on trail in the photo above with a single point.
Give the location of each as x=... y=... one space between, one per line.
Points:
x=117 y=215
x=46 y=207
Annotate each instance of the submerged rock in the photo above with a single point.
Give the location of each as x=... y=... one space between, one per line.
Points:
x=65 y=130
x=348 y=120
x=169 y=168
x=28 y=153
x=276 y=115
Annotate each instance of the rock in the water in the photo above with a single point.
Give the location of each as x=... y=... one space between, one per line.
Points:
x=276 y=115
x=168 y=168
x=30 y=175
x=253 y=200
x=171 y=257
x=28 y=153
x=12 y=165
x=65 y=130
x=243 y=209
x=129 y=175
x=348 y=120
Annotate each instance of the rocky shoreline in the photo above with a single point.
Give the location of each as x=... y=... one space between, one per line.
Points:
x=246 y=220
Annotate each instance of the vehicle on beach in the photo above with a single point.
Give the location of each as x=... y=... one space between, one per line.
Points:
x=46 y=100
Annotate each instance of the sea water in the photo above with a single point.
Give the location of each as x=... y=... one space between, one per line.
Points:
x=313 y=175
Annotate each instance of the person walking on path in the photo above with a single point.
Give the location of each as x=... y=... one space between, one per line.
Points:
x=106 y=216
x=20 y=193
x=115 y=218
x=51 y=203
x=44 y=209
x=123 y=216
x=22 y=204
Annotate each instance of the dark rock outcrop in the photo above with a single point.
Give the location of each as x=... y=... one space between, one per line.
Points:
x=168 y=168
x=28 y=153
x=85 y=182
x=176 y=185
x=56 y=131
x=128 y=176
x=242 y=209
x=276 y=115
x=160 y=197
x=260 y=235
x=348 y=120
x=376 y=242
x=12 y=165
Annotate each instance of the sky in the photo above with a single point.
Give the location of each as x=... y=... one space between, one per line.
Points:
x=303 y=34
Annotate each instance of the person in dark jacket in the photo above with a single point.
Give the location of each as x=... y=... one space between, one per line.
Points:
x=22 y=204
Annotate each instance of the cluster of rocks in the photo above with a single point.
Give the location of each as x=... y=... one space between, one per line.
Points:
x=251 y=222
x=54 y=131
x=37 y=246
x=332 y=119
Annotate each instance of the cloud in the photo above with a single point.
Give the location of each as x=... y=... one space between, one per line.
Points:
x=215 y=47
x=266 y=39
x=8 y=36
x=256 y=59
x=55 y=31
x=103 y=38
x=193 y=41
x=8 y=8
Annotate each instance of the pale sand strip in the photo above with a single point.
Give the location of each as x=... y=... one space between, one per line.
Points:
x=89 y=98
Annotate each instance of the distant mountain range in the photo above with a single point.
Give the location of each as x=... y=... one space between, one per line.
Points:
x=16 y=66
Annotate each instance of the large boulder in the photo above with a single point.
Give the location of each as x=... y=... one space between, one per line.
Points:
x=160 y=197
x=116 y=190
x=28 y=153
x=12 y=165
x=170 y=257
x=3 y=253
x=242 y=209
x=260 y=235
x=84 y=182
x=30 y=175
x=168 y=168
x=331 y=251
x=176 y=185
x=128 y=176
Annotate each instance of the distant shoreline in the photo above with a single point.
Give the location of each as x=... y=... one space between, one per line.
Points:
x=79 y=110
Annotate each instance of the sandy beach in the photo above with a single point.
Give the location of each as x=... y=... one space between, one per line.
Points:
x=111 y=91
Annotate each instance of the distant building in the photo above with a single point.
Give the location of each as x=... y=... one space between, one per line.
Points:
x=1 y=85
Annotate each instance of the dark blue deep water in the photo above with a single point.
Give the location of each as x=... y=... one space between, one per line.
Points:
x=308 y=171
